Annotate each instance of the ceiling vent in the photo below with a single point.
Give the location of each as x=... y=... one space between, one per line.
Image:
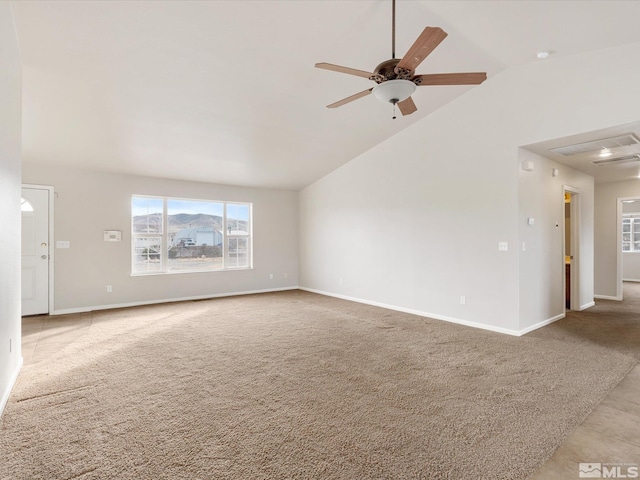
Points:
x=597 y=145
x=617 y=160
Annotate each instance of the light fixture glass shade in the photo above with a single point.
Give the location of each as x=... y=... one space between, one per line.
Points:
x=394 y=91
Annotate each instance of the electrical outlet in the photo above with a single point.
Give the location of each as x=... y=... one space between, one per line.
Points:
x=341 y=281
x=271 y=276
x=109 y=289
x=463 y=300
x=286 y=275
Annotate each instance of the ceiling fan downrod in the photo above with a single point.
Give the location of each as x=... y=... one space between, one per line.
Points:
x=393 y=29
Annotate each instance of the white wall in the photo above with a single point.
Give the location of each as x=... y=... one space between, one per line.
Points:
x=404 y=227
x=88 y=203
x=542 y=264
x=415 y=222
x=606 y=239
x=631 y=266
x=10 y=145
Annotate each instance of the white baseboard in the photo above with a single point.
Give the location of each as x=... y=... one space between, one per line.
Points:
x=587 y=305
x=607 y=297
x=541 y=324
x=65 y=311
x=420 y=313
x=5 y=395
x=458 y=321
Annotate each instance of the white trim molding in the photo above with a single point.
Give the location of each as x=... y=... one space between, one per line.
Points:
x=12 y=381
x=541 y=324
x=65 y=311
x=420 y=313
x=607 y=297
x=592 y=303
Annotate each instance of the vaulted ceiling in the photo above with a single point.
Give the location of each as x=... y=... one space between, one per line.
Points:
x=226 y=91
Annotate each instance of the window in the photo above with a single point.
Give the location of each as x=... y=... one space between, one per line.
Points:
x=172 y=235
x=25 y=205
x=631 y=232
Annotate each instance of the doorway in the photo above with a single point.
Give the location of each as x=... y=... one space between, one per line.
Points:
x=571 y=237
x=628 y=239
x=37 y=233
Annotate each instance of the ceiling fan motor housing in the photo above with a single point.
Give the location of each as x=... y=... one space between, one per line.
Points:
x=387 y=71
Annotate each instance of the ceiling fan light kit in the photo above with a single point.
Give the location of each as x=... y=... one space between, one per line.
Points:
x=396 y=78
x=394 y=91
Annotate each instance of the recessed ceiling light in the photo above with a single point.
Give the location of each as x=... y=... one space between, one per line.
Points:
x=543 y=54
x=604 y=153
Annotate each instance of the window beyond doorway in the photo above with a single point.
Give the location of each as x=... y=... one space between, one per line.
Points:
x=631 y=232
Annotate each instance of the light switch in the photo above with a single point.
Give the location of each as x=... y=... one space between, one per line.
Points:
x=503 y=246
x=531 y=221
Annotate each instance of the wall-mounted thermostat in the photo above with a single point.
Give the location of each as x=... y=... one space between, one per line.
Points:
x=112 y=235
x=527 y=165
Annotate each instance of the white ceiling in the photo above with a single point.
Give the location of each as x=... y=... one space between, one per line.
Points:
x=227 y=92
x=584 y=161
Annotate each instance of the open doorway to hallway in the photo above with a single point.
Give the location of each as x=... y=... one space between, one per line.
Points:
x=628 y=224
x=571 y=199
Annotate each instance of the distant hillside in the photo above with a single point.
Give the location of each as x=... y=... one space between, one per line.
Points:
x=184 y=220
x=147 y=223
x=151 y=223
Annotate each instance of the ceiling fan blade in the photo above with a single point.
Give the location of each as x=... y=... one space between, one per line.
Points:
x=356 y=96
x=469 y=78
x=426 y=43
x=338 y=68
x=407 y=107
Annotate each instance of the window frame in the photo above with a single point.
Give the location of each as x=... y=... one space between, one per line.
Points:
x=165 y=234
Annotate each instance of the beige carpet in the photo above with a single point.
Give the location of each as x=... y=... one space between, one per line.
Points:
x=296 y=385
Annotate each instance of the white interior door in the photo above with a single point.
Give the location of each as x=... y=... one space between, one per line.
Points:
x=35 y=251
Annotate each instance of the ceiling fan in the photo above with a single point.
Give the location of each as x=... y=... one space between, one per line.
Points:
x=396 y=78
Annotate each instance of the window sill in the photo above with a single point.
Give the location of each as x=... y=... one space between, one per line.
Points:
x=153 y=274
